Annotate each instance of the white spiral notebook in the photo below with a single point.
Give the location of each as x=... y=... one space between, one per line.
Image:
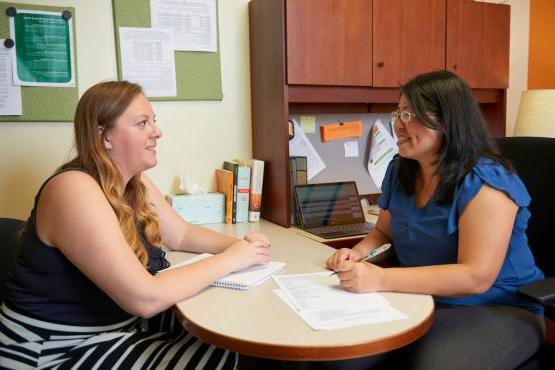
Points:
x=240 y=280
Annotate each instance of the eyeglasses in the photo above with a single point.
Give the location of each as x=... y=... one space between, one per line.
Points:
x=404 y=116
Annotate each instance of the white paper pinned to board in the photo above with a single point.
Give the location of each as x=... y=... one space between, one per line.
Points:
x=300 y=146
x=382 y=149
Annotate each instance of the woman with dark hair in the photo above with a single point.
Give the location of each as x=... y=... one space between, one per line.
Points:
x=456 y=214
x=86 y=268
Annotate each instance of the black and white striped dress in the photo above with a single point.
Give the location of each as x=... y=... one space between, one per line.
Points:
x=54 y=317
x=157 y=343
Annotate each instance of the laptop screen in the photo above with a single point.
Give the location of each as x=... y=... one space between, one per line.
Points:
x=328 y=204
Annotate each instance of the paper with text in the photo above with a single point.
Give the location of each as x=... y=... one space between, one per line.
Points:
x=300 y=146
x=321 y=302
x=382 y=149
x=351 y=149
x=344 y=317
x=193 y=23
x=10 y=94
x=147 y=58
x=44 y=51
x=318 y=290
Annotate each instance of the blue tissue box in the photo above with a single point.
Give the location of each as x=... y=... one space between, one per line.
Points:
x=199 y=208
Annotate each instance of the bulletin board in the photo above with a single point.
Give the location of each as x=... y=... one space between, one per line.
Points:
x=198 y=74
x=43 y=103
x=338 y=167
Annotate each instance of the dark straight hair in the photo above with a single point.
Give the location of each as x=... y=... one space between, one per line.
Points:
x=442 y=101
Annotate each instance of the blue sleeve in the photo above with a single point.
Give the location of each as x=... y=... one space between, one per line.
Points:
x=388 y=183
x=494 y=175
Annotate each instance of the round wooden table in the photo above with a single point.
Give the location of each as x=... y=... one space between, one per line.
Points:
x=257 y=323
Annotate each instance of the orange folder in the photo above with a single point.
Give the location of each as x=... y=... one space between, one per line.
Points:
x=334 y=131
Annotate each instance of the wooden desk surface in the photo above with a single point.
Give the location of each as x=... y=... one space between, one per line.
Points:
x=257 y=323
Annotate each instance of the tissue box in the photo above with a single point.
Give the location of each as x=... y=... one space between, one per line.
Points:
x=199 y=208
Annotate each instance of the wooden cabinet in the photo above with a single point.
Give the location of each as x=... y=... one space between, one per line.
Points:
x=384 y=43
x=350 y=56
x=329 y=43
x=478 y=42
x=408 y=38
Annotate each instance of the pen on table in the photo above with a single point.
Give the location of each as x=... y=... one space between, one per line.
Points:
x=367 y=256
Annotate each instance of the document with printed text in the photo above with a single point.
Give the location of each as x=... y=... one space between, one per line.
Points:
x=321 y=302
x=192 y=22
x=10 y=94
x=147 y=58
x=383 y=148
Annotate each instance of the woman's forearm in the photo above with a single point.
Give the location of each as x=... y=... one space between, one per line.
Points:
x=202 y=240
x=453 y=280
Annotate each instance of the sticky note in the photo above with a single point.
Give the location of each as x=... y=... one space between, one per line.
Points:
x=308 y=124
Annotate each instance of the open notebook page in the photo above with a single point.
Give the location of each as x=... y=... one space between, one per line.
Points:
x=240 y=280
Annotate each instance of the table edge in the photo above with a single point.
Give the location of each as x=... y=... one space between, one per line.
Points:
x=309 y=352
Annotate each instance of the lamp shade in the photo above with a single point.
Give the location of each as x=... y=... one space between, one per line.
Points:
x=536 y=114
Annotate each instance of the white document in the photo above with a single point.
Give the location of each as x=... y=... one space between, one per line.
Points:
x=344 y=317
x=299 y=145
x=382 y=149
x=321 y=302
x=351 y=149
x=320 y=290
x=147 y=58
x=193 y=22
x=10 y=94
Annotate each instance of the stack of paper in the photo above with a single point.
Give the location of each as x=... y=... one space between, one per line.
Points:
x=321 y=302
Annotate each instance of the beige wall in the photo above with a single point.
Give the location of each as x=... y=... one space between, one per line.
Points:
x=518 y=59
x=518 y=69
x=197 y=135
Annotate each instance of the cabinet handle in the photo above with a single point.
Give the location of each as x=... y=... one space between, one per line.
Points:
x=380 y=64
x=454 y=66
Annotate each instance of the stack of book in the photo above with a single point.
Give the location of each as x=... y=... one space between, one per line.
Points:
x=241 y=183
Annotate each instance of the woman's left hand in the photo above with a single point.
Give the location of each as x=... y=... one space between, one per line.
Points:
x=257 y=237
x=360 y=276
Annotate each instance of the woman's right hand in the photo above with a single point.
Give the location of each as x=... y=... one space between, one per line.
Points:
x=243 y=254
x=341 y=255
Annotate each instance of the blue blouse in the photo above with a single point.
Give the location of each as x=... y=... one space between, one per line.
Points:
x=428 y=235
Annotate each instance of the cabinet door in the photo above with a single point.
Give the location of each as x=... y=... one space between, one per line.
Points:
x=329 y=42
x=408 y=38
x=478 y=42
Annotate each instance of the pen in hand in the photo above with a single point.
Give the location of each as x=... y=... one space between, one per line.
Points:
x=367 y=256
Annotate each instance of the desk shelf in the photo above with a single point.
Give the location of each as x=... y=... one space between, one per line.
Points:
x=296 y=66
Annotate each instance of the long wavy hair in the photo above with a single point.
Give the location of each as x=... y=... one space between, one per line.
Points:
x=98 y=110
x=456 y=114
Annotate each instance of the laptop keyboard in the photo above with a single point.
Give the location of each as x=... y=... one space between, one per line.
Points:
x=360 y=227
x=345 y=227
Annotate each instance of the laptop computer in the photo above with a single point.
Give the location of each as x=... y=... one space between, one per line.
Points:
x=331 y=210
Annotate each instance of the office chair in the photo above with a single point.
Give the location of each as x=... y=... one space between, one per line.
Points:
x=534 y=160
x=9 y=229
